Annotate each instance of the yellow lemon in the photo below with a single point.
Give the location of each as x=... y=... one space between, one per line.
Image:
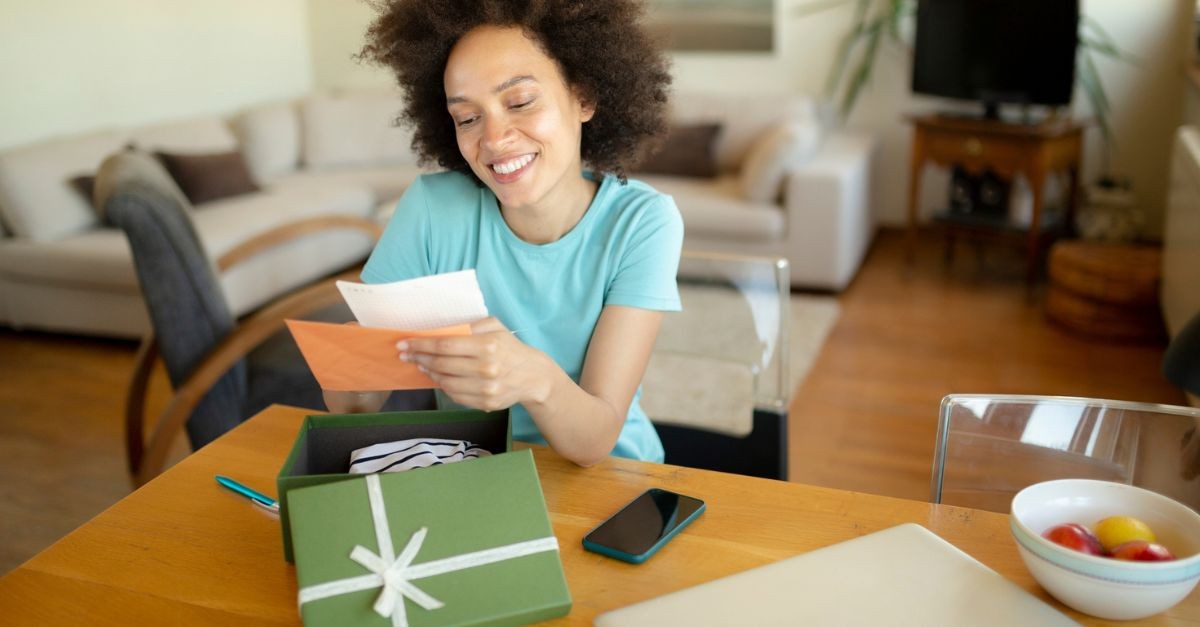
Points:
x=1117 y=530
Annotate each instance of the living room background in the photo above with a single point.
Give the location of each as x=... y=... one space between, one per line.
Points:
x=71 y=67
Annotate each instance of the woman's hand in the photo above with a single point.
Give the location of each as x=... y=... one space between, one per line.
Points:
x=488 y=370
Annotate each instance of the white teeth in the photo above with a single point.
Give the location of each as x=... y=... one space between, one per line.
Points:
x=508 y=167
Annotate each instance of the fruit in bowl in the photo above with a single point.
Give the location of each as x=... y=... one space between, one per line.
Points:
x=1142 y=551
x=1118 y=537
x=1117 y=530
x=1116 y=589
x=1074 y=536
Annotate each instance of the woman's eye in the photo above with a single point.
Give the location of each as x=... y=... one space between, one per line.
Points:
x=463 y=123
x=522 y=105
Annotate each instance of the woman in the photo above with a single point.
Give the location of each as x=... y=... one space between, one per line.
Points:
x=576 y=266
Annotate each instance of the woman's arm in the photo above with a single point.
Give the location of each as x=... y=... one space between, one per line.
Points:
x=492 y=369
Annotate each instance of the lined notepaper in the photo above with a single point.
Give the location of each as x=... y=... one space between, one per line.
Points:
x=420 y=304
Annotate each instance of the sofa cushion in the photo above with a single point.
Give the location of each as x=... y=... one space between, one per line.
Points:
x=270 y=138
x=783 y=146
x=386 y=182
x=228 y=222
x=36 y=197
x=687 y=151
x=95 y=258
x=744 y=118
x=716 y=208
x=207 y=177
x=207 y=134
x=354 y=128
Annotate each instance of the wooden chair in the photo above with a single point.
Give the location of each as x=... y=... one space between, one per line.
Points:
x=989 y=447
x=717 y=386
x=221 y=370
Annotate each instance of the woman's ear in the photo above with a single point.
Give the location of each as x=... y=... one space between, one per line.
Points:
x=587 y=106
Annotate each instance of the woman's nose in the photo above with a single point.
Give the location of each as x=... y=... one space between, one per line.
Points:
x=497 y=132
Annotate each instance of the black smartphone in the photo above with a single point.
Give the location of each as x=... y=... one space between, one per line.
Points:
x=640 y=528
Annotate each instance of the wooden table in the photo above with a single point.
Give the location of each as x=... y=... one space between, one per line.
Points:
x=183 y=551
x=976 y=145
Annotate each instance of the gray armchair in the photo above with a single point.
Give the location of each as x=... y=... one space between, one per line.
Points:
x=222 y=370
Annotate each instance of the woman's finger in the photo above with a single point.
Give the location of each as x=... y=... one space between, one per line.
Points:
x=448 y=365
x=464 y=346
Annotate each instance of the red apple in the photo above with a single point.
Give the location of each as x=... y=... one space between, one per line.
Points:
x=1074 y=536
x=1142 y=551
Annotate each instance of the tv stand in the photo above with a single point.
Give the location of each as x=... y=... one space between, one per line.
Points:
x=991 y=110
x=976 y=145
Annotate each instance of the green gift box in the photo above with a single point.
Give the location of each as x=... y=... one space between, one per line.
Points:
x=463 y=543
x=321 y=453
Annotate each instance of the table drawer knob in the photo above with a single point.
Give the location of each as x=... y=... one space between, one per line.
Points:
x=972 y=146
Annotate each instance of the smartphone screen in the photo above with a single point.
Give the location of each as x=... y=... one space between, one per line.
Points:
x=645 y=522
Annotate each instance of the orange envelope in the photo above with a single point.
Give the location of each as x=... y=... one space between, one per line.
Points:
x=349 y=358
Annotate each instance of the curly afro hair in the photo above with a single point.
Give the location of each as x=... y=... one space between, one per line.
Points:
x=599 y=46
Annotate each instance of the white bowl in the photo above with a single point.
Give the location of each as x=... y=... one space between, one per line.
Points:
x=1102 y=586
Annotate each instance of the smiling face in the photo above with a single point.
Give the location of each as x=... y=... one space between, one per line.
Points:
x=517 y=121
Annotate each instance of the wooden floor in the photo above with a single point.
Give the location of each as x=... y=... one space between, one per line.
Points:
x=863 y=419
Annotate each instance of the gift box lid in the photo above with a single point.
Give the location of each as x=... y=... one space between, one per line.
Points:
x=472 y=544
x=321 y=452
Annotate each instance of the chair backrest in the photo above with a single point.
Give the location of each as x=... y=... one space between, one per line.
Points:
x=989 y=447
x=717 y=384
x=179 y=284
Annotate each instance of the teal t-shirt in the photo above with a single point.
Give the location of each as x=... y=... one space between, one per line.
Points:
x=624 y=251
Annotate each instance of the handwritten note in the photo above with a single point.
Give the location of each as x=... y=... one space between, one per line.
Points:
x=420 y=304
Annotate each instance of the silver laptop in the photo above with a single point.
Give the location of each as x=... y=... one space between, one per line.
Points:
x=904 y=575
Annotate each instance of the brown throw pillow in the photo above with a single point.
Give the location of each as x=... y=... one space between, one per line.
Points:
x=209 y=177
x=688 y=151
x=85 y=184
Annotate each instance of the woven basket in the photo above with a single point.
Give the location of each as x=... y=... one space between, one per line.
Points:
x=1105 y=290
x=1118 y=274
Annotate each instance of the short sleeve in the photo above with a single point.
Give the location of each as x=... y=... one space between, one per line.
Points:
x=403 y=250
x=645 y=276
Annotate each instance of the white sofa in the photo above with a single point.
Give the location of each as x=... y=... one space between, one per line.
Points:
x=787 y=186
x=61 y=269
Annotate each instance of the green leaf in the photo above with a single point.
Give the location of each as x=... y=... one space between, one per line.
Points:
x=866 y=63
x=1093 y=38
x=846 y=48
x=1093 y=88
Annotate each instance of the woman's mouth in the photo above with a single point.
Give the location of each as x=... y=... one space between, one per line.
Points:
x=510 y=170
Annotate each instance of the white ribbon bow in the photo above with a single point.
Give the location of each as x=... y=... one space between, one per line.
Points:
x=396 y=574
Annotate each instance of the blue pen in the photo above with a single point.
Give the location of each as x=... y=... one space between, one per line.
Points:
x=255 y=497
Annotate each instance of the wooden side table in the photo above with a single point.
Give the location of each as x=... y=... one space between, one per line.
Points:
x=1035 y=150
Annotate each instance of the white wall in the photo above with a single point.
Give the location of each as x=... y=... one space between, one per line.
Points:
x=336 y=29
x=68 y=66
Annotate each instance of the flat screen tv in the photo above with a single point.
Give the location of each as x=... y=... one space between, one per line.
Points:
x=997 y=51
